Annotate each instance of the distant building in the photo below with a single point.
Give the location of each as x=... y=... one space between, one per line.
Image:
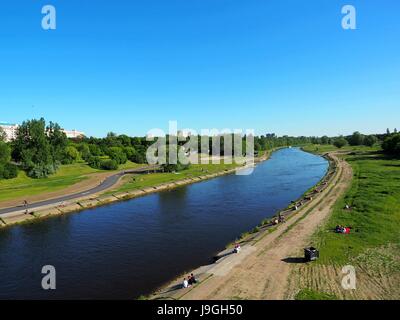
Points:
x=10 y=130
x=73 y=133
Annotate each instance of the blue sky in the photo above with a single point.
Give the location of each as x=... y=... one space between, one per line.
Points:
x=283 y=66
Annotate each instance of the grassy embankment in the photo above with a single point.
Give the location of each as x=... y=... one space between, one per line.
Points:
x=373 y=247
x=134 y=182
x=66 y=176
x=141 y=181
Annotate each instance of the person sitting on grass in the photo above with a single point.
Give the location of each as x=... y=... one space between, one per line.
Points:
x=237 y=248
x=185 y=283
x=194 y=280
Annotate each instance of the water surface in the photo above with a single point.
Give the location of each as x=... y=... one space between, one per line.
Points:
x=123 y=250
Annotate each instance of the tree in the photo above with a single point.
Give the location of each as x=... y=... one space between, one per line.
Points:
x=370 y=140
x=130 y=152
x=117 y=154
x=391 y=145
x=324 y=140
x=8 y=171
x=94 y=150
x=32 y=148
x=5 y=153
x=58 y=141
x=356 y=139
x=340 y=142
x=71 y=155
x=109 y=164
x=84 y=150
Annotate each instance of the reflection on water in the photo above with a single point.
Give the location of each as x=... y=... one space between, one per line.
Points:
x=130 y=248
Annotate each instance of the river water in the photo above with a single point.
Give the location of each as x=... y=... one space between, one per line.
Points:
x=123 y=250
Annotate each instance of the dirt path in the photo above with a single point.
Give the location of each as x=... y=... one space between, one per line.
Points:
x=263 y=273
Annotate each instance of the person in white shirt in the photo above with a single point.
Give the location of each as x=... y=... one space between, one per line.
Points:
x=185 y=283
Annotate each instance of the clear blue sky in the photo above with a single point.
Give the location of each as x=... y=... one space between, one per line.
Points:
x=272 y=65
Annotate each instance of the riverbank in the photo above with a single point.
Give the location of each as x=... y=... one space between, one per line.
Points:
x=372 y=247
x=107 y=197
x=259 y=271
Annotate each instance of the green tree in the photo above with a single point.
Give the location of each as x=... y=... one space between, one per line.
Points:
x=324 y=140
x=5 y=153
x=58 y=141
x=32 y=148
x=339 y=142
x=356 y=139
x=71 y=155
x=370 y=140
x=391 y=145
x=95 y=150
x=117 y=154
x=84 y=150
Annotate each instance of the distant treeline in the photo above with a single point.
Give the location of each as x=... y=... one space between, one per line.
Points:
x=40 y=148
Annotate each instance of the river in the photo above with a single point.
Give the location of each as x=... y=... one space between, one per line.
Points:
x=130 y=248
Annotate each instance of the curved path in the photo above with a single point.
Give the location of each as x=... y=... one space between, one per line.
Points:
x=106 y=184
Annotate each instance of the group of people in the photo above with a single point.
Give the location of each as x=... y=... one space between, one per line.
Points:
x=191 y=280
x=279 y=219
x=342 y=229
x=237 y=248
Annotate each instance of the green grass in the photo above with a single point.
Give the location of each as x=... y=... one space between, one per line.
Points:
x=323 y=148
x=154 y=179
x=308 y=294
x=374 y=196
x=66 y=176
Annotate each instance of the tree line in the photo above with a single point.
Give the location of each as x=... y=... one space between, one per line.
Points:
x=39 y=148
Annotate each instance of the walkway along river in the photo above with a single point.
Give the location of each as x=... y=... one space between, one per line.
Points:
x=130 y=248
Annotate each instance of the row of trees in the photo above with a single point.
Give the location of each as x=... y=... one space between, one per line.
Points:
x=39 y=149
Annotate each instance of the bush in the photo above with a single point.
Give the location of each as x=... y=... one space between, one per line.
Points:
x=94 y=162
x=117 y=154
x=39 y=171
x=391 y=144
x=109 y=164
x=9 y=171
x=369 y=141
x=71 y=155
x=340 y=142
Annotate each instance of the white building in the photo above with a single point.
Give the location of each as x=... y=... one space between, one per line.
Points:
x=10 y=130
x=73 y=133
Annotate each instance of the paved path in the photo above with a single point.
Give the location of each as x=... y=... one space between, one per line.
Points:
x=106 y=184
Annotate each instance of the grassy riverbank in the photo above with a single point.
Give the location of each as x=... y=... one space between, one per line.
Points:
x=66 y=176
x=373 y=247
x=140 y=181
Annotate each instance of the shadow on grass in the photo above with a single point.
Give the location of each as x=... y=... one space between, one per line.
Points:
x=294 y=260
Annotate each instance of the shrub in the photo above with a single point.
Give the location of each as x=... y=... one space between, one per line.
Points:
x=95 y=162
x=39 y=171
x=109 y=164
x=117 y=154
x=9 y=171
x=340 y=142
x=391 y=144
